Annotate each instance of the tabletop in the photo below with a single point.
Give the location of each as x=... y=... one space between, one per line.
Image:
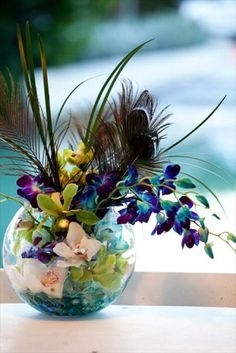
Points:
x=120 y=329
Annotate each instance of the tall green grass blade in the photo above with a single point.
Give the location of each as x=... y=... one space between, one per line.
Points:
x=69 y=95
x=230 y=179
x=50 y=131
x=46 y=89
x=22 y=58
x=28 y=70
x=208 y=171
x=197 y=127
x=207 y=188
x=33 y=95
x=92 y=121
x=44 y=129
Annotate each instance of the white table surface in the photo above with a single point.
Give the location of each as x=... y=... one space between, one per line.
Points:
x=120 y=329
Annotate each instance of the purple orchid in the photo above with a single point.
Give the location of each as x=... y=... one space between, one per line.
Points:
x=132 y=176
x=103 y=184
x=129 y=214
x=98 y=188
x=44 y=254
x=190 y=238
x=178 y=216
x=143 y=204
x=139 y=210
x=170 y=173
x=31 y=186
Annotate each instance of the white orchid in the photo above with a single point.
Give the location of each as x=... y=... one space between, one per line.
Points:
x=33 y=275
x=77 y=248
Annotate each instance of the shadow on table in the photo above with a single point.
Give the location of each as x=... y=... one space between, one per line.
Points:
x=104 y=314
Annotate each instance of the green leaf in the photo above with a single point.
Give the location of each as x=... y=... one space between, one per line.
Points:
x=48 y=205
x=18 y=236
x=203 y=232
x=16 y=246
x=202 y=223
x=104 y=264
x=121 y=264
x=208 y=250
x=185 y=183
x=111 y=281
x=87 y=217
x=167 y=205
x=203 y=200
x=231 y=237
x=87 y=276
x=68 y=194
x=76 y=273
x=215 y=215
x=79 y=274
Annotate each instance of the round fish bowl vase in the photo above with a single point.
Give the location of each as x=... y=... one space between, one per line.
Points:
x=70 y=269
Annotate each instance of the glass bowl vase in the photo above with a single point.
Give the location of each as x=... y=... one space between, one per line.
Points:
x=58 y=276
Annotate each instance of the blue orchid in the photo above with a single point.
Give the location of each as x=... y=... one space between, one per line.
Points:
x=169 y=175
x=178 y=215
x=132 y=176
x=44 y=254
x=98 y=188
x=30 y=187
x=129 y=214
x=190 y=238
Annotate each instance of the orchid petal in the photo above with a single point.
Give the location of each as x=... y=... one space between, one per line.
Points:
x=171 y=171
x=32 y=274
x=91 y=245
x=25 y=180
x=56 y=198
x=75 y=234
x=75 y=262
x=61 y=249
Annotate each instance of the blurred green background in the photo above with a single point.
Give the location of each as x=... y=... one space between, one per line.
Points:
x=69 y=28
x=191 y=63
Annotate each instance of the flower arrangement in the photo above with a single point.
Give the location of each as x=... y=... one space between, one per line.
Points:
x=78 y=200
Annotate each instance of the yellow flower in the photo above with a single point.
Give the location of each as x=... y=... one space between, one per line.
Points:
x=63 y=174
x=64 y=177
x=60 y=160
x=80 y=156
x=76 y=174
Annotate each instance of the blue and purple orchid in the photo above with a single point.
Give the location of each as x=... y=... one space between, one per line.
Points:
x=136 y=197
x=31 y=186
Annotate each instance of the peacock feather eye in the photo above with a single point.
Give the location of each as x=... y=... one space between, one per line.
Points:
x=145 y=145
x=144 y=141
x=130 y=133
x=138 y=120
